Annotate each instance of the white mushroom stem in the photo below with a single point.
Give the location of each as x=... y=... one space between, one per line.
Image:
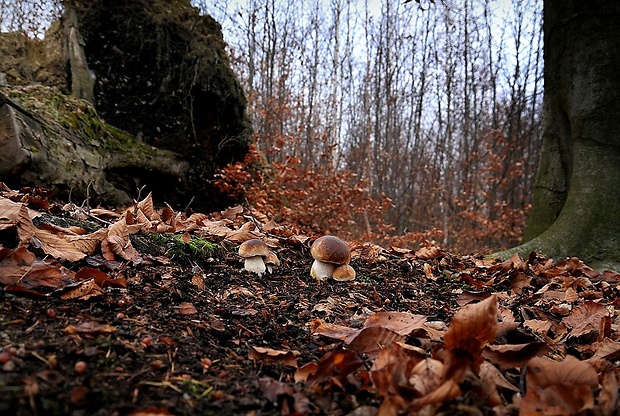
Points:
x=321 y=270
x=255 y=264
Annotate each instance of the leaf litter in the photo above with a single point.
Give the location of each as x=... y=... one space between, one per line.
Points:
x=96 y=317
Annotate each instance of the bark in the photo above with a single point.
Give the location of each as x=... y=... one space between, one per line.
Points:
x=577 y=195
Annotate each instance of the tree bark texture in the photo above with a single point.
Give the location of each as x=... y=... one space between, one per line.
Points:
x=576 y=200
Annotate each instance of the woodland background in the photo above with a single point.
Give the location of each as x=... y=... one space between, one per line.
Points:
x=381 y=120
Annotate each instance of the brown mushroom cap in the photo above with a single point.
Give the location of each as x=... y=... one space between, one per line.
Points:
x=330 y=249
x=253 y=247
x=343 y=273
x=272 y=259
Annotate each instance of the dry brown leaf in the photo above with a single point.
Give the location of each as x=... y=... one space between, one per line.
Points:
x=586 y=320
x=399 y=251
x=25 y=227
x=426 y=375
x=100 y=277
x=218 y=228
x=186 y=308
x=104 y=214
x=473 y=322
x=510 y=356
x=20 y=267
x=232 y=212
x=403 y=323
x=336 y=365
x=289 y=401
x=391 y=375
x=490 y=374
x=273 y=389
x=558 y=387
x=244 y=233
x=150 y=411
x=146 y=206
x=69 y=247
x=146 y=223
x=305 y=371
x=288 y=358
x=538 y=326
x=491 y=381
x=167 y=215
x=117 y=243
x=10 y=210
x=609 y=399
x=518 y=281
x=429 y=253
x=428 y=271
x=372 y=339
x=468 y=297
x=471 y=328
x=445 y=392
x=607 y=349
x=198 y=280
x=82 y=290
x=335 y=331
x=90 y=328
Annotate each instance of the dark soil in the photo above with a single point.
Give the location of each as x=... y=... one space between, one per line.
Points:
x=160 y=357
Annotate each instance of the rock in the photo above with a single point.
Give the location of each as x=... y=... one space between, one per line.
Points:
x=161 y=74
x=164 y=75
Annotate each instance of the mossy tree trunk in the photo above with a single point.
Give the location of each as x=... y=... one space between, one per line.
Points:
x=576 y=204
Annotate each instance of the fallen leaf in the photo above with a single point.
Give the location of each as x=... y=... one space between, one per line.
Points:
x=100 y=278
x=372 y=339
x=90 y=328
x=19 y=267
x=471 y=328
x=288 y=358
x=186 y=308
x=403 y=323
x=558 y=387
x=82 y=290
x=586 y=320
x=510 y=356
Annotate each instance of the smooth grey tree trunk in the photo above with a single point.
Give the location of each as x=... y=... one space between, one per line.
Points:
x=576 y=204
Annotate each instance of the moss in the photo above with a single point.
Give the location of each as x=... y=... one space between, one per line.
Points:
x=77 y=116
x=197 y=249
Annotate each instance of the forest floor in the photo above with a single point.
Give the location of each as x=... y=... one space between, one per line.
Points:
x=192 y=333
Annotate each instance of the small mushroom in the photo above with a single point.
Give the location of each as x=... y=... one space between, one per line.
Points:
x=329 y=253
x=254 y=252
x=271 y=261
x=343 y=273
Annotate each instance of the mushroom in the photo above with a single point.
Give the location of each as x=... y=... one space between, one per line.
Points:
x=271 y=261
x=254 y=251
x=344 y=273
x=329 y=253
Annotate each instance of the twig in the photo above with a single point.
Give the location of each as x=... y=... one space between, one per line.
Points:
x=189 y=203
x=87 y=201
x=254 y=220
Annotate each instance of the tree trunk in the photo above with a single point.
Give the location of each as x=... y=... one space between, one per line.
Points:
x=576 y=204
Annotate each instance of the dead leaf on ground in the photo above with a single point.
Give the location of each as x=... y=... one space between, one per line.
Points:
x=471 y=328
x=288 y=358
x=186 y=308
x=82 y=290
x=554 y=387
x=20 y=267
x=90 y=328
x=510 y=356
